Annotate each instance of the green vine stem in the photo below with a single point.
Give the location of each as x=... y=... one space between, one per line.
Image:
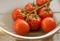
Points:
x=39 y=7
x=36 y=10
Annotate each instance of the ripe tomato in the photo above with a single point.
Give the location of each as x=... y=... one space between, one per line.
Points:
x=41 y=2
x=44 y=12
x=21 y=27
x=30 y=6
x=48 y=24
x=34 y=22
x=18 y=13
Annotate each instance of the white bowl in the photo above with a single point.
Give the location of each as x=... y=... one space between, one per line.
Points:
x=6 y=22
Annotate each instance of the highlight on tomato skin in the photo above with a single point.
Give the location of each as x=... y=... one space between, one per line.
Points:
x=34 y=22
x=48 y=24
x=21 y=27
x=18 y=13
x=45 y=12
x=30 y=7
x=41 y=2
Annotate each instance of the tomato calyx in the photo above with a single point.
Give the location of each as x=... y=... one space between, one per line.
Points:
x=47 y=10
x=50 y=0
x=33 y=4
x=35 y=16
x=22 y=11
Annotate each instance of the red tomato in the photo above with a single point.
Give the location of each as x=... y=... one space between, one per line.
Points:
x=21 y=27
x=34 y=22
x=41 y=2
x=44 y=12
x=18 y=13
x=30 y=7
x=48 y=24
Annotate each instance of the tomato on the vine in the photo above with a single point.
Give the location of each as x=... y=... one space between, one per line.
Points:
x=30 y=7
x=34 y=21
x=45 y=12
x=48 y=24
x=21 y=27
x=18 y=13
x=41 y=2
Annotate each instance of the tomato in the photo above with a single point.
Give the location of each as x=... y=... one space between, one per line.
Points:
x=34 y=21
x=30 y=7
x=41 y=2
x=21 y=27
x=18 y=13
x=45 y=12
x=48 y=24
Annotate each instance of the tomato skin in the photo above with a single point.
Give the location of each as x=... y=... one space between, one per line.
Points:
x=34 y=23
x=21 y=27
x=43 y=13
x=41 y=2
x=17 y=14
x=29 y=7
x=48 y=24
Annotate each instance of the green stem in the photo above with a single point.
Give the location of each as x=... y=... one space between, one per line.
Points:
x=27 y=17
x=35 y=10
x=39 y=7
